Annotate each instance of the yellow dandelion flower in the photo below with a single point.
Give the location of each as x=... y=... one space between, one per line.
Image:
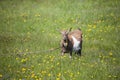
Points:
x=24 y=20
x=92 y=76
x=49 y=74
x=26 y=50
x=91 y=65
x=43 y=72
x=109 y=76
x=36 y=77
x=58 y=63
x=17 y=58
x=1 y=75
x=59 y=74
x=111 y=54
x=23 y=69
x=94 y=26
x=71 y=74
x=40 y=78
x=22 y=60
x=43 y=31
x=65 y=72
x=115 y=76
x=89 y=30
x=57 y=78
x=32 y=75
x=78 y=73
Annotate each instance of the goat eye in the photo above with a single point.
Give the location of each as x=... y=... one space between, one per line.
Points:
x=64 y=40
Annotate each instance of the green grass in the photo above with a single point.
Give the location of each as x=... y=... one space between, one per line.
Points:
x=28 y=27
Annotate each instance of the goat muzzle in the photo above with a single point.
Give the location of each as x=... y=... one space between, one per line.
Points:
x=65 y=44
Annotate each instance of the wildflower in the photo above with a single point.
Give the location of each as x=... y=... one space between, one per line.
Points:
x=24 y=20
x=94 y=26
x=89 y=30
x=109 y=76
x=17 y=58
x=33 y=75
x=37 y=15
x=92 y=76
x=115 y=76
x=65 y=72
x=43 y=72
x=26 y=50
x=36 y=77
x=57 y=78
x=43 y=31
x=58 y=63
x=59 y=74
x=24 y=60
x=23 y=69
x=1 y=75
x=71 y=74
x=49 y=74
x=39 y=64
x=114 y=59
x=110 y=54
x=102 y=39
x=78 y=73
x=40 y=79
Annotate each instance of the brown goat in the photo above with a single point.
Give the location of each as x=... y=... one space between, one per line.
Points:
x=71 y=41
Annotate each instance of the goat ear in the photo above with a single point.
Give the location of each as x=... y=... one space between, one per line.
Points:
x=68 y=30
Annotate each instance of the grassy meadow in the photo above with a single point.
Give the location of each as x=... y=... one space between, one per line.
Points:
x=29 y=27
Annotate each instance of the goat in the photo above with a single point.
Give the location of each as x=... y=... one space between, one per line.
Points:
x=71 y=41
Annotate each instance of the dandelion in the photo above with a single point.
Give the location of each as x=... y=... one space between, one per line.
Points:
x=17 y=58
x=115 y=76
x=92 y=65
x=35 y=77
x=23 y=70
x=43 y=31
x=114 y=59
x=49 y=74
x=92 y=76
x=43 y=72
x=1 y=75
x=65 y=72
x=58 y=63
x=110 y=54
x=26 y=50
x=78 y=73
x=24 y=20
x=59 y=74
x=24 y=60
x=109 y=76
x=71 y=74
x=94 y=26
x=57 y=78
x=39 y=64
x=32 y=75
x=89 y=30
x=89 y=25
x=40 y=79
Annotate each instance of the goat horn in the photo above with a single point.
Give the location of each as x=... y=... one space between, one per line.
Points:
x=69 y=30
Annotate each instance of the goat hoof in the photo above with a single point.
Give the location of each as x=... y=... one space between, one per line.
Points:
x=62 y=54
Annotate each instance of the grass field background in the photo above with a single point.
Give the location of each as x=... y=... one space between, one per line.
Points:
x=28 y=27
